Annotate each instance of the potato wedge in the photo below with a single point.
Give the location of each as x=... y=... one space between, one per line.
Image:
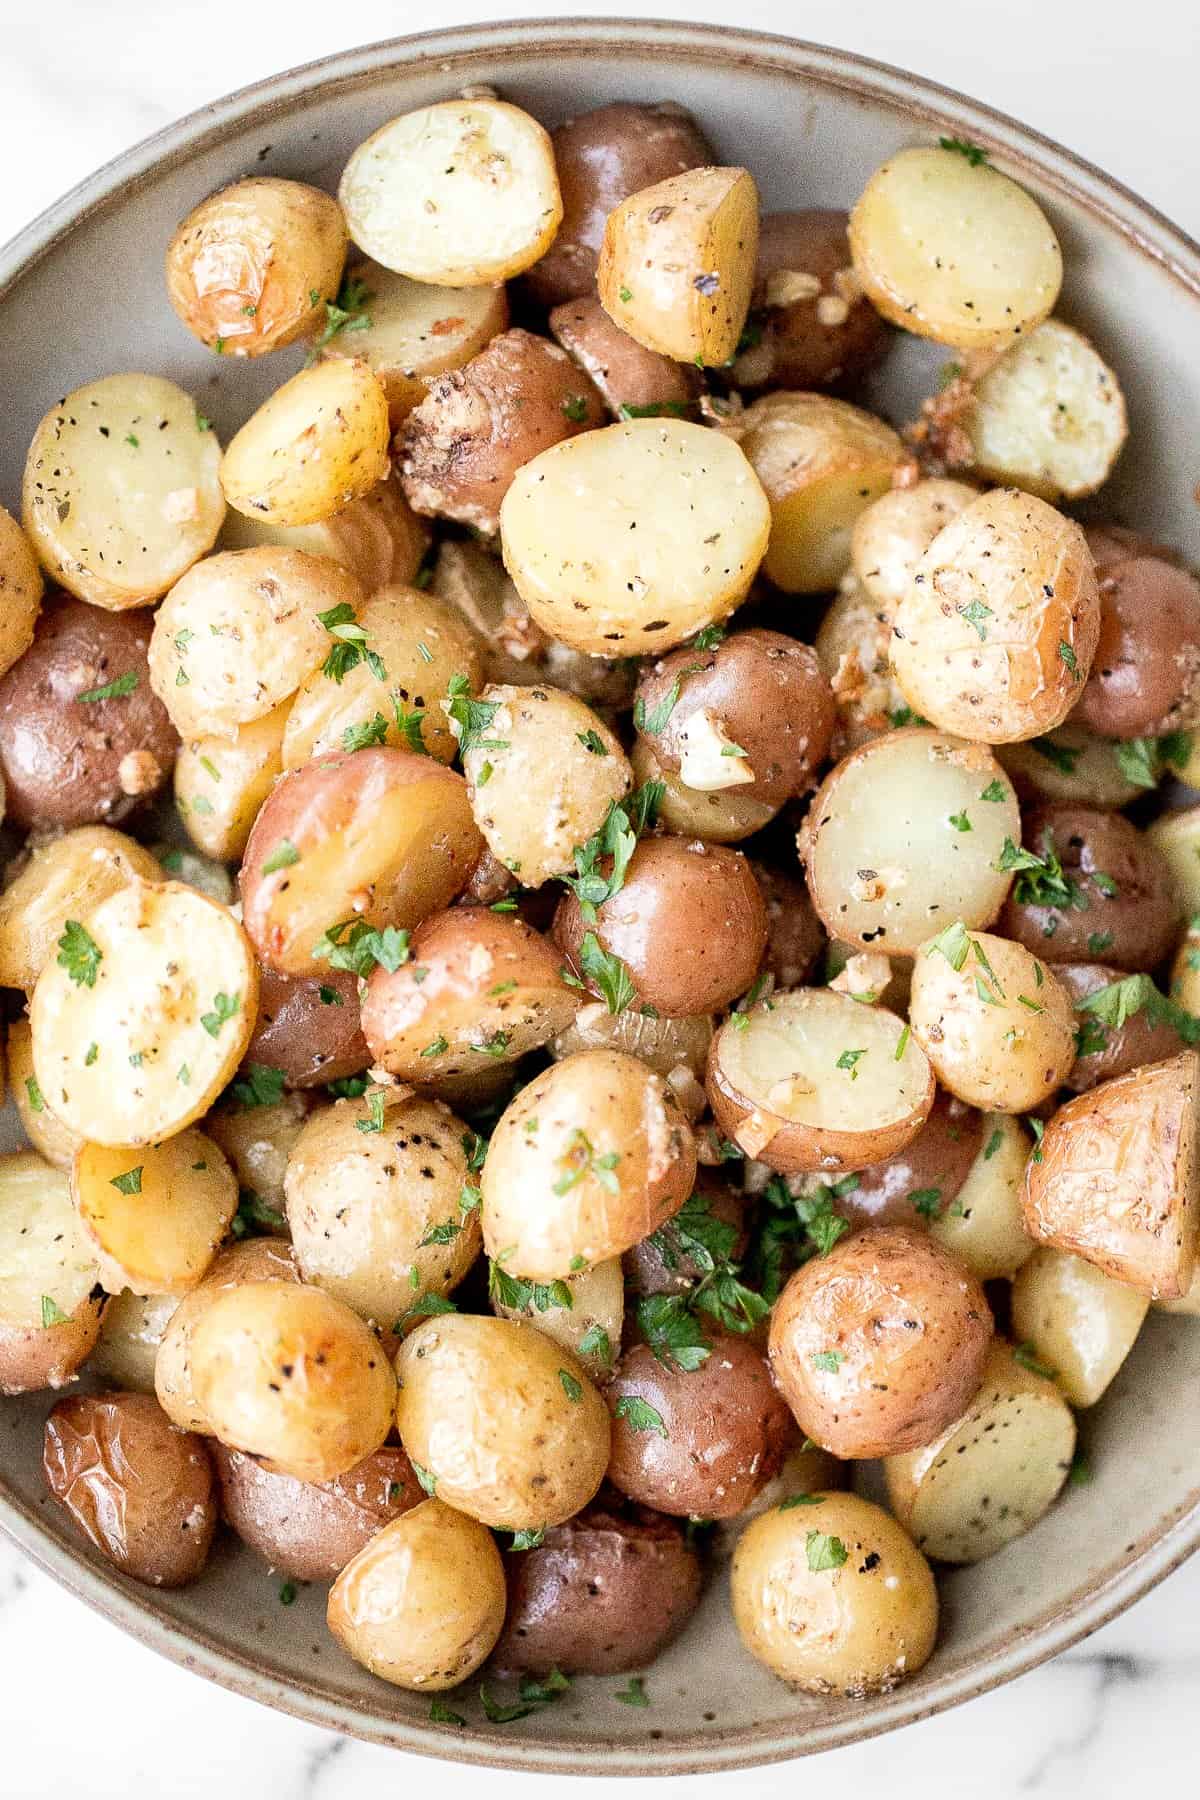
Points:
x=983 y=1225
x=143 y=1017
x=1076 y=1321
x=221 y=783
x=1049 y=416
x=319 y=442
x=65 y=877
x=378 y=537
x=1117 y=1178
x=462 y=194
x=156 y=1216
x=21 y=589
x=51 y=1300
x=892 y=535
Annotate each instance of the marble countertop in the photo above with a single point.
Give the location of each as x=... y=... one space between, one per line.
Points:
x=79 y=83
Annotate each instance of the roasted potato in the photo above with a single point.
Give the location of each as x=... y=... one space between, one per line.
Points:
x=1176 y=838
x=1048 y=415
x=1069 y=764
x=589 y=1325
x=155 y=1216
x=1105 y=1049
x=810 y=325
x=309 y=1530
x=258 y=1135
x=255 y=1259
x=44 y=1129
x=64 y=876
x=878 y=1345
x=924 y=1178
x=51 y=1300
x=221 y=783
x=377 y=537
x=721 y=816
x=309 y=1029
x=676 y=1048
x=806 y=1470
x=892 y=535
x=633 y=382
x=1145 y=678
x=794 y=936
x=983 y=1225
x=318 y=442
x=21 y=589
x=1098 y=889
x=1077 y=1321
x=852 y=644
x=130 y=1334
x=672 y=1260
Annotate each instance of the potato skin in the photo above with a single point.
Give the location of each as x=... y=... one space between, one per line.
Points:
x=312 y=1038
x=910 y=1330
x=461 y=447
x=602 y=157
x=140 y=1490
x=647 y=1270
x=689 y=924
x=795 y=936
x=317 y=443
x=603 y=1594
x=63 y=878
x=826 y=335
x=21 y=590
x=1145 y=678
x=629 y=377
x=1122 y=880
x=725 y=1430
x=1129 y=1046
x=68 y=762
x=939 y=1158
x=309 y=1530
x=253 y=1259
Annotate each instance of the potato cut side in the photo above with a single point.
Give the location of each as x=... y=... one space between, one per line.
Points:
x=319 y=442
x=145 y=1014
x=892 y=535
x=463 y=193
x=121 y=492
x=627 y=540
x=221 y=784
x=994 y=1473
x=817 y=1081
x=1079 y=1322
x=1049 y=416
x=50 y=1296
x=378 y=538
x=156 y=1216
x=983 y=1225
x=1117 y=1180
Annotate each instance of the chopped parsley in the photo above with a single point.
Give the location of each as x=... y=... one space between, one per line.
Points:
x=596 y=1342
x=591 y=740
x=975 y=614
x=530 y=1537
x=634 y=1693
x=960 y=821
x=350 y=647
x=1040 y=879
x=374 y=1119
x=365 y=735
x=79 y=954
x=654 y=722
x=575 y=407
x=36 y=1102
x=1067 y=656
x=617 y=839
x=225 y=1007
x=639 y=1415
x=608 y=973
x=348 y=312
x=260 y=1085
x=284 y=856
x=828 y=1361
x=128 y=1183
x=112 y=690
x=427 y=1480
x=849 y=1060
x=52 y=1313
x=354 y=945
x=962 y=147
x=673 y=1331
x=525 y=1296
x=570 y=1386
x=1026 y=1356
x=824 y=1553
x=473 y=717
x=254 y=1217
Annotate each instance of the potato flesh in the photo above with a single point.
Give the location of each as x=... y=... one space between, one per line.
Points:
x=156 y=1216
x=627 y=540
x=319 y=442
x=64 y=878
x=908 y=833
x=22 y=586
x=463 y=193
x=44 y=1129
x=953 y=250
x=984 y=1226
x=121 y=492
x=219 y=810
x=130 y=1333
x=166 y=955
x=1049 y=416
x=44 y=1250
x=1079 y=1322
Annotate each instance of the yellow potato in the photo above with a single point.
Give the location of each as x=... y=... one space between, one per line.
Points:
x=983 y=1225
x=1049 y=416
x=21 y=588
x=1176 y=836
x=1077 y=1321
x=130 y=1334
x=1071 y=764
x=221 y=783
x=892 y=535
x=378 y=537
x=157 y=1215
x=590 y=1327
x=50 y=1296
x=852 y=644
x=258 y=1141
x=64 y=878
x=45 y=1131
x=320 y=441
x=254 y=1259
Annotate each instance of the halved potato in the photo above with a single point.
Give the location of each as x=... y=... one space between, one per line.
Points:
x=813 y=1080
x=994 y=1473
x=157 y=1215
x=463 y=193
x=677 y=263
x=21 y=586
x=1077 y=1321
x=44 y=1129
x=318 y=442
x=1049 y=416
x=892 y=535
x=1116 y=1180
x=65 y=877
x=51 y=1300
x=130 y=1335
x=145 y=1014
x=590 y=1327
x=377 y=537
x=221 y=783
x=983 y=1224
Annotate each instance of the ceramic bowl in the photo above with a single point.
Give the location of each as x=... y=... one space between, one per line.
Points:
x=81 y=294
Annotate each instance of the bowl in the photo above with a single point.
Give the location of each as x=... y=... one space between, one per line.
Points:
x=82 y=294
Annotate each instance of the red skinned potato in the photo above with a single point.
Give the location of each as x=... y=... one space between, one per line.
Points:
x=310 y=1029
x=378 y=837
x=880 y=1344
x=664 y=1264
x=1116 y=1182
x=602 y=157
x=1106 y=1051
x=51 y=1301
x=795 y=938
x=601 y=1595
x=309 y=1530
x=754 y=714
x=810 y=325
x=460 y=448
x=140 y=1490
x=698 y=1443
x=633 y=381
x=689 y=925
x=923 y=1178
x=82 y=737
x=1145 y=677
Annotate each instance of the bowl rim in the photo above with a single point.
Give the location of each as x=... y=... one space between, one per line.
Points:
x=1151 y=235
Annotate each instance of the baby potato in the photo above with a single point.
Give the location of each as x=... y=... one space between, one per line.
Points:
x=21 y=589
x=983 y=1225
x=906 y=832
x=599 y=535
x=375 y=837
x=892 y=535
x=1145 y=678
x=1076 y=1320
x=1184 y=987
x=221 y=783
x=689 y=926
x=504 y=1423
x=821 y=462
x=924 y=1178
x=833 y=1596
x=461 y=446
x=1105 y=1049
x=669 y=1261
x=949 y=248
x=310 y=1030
x=240 y=633
x=1048 y=415
x=377 y=537
x=122 y=491
x=309 y=1530
x=130 y=1334
x=995 y=1023
x=64 y=876
x=805 y=1470
x=676 y=1048
x=140 y=1490
x=1104 y=890
x=754 y=713
x=1116 y=1179
x=51 y=1300
x=253 y=1259
x=422 y=1603
x=723 y=816
x=994 y=1472
x=588 y=1158
x=589 y=1327
x=155 y=1216
x=423 y=645
x=290 y=1374
x=1176 y=838
x=677 y=263
x=602 y=157
x=459 y=194
x=318 y=442
x=810 y=324
x=603 y=1594
x=258 y=1139
x=634 y=382
x=82 y=736
x=251 y=268
x=996 y=633
x=47 y=1133
x=878 y=1345
x=853 y=644
x=373 y=1189
x=1069 y=764
x=814 y=1081
x=543 y=771
x=794 y=936
x=698 y=1442
x=144 y=1015
x=477 y=983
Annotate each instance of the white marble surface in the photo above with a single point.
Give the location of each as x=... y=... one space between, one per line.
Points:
x=78 y=82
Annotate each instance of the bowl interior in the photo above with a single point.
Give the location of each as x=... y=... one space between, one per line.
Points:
x=85 y=297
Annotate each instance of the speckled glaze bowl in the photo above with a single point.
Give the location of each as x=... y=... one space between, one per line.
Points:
x=82 y=294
